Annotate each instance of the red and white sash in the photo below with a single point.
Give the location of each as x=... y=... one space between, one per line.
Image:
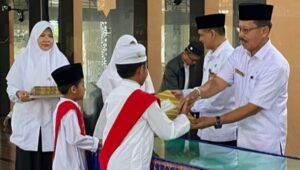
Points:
x=135 y=106
x=62 y=109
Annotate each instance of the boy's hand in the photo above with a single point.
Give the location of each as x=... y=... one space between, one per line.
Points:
x=177 y=93
x=99 y=145
x=185 y=107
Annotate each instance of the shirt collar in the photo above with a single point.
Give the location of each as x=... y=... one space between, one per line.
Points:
x=66 y=99
x=213 y=54
x=218 y=51
x=262 y=51
x=131 y=83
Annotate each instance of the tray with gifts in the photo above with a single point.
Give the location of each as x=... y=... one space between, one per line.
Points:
x=169 y=104
x=44 y=92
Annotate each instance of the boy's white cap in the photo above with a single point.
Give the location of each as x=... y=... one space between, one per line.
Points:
x=131 y=54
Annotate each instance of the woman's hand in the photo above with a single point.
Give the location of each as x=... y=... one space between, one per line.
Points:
x=7 y=125
x=23 y=96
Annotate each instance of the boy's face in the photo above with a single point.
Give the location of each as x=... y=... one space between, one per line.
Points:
x=80 y=90
x=145 y=72
x=142 y=73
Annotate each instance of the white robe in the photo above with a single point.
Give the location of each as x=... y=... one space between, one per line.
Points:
x=136 y=149
x=31 y=68
x=71 y=145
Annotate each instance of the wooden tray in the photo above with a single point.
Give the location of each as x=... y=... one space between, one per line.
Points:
x=43 y=96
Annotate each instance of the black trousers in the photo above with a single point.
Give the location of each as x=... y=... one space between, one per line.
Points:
x=33 y=160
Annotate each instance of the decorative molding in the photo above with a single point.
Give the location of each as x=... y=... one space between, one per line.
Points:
x=106 y=6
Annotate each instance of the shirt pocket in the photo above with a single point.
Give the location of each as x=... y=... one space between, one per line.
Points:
x=252 y=84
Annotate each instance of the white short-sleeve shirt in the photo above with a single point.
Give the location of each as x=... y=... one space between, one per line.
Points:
x=261 y=79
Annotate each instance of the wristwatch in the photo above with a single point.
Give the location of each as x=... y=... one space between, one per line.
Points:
x=218 y=124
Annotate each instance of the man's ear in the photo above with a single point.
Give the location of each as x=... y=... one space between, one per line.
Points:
x=213 y=33
x=265 y=31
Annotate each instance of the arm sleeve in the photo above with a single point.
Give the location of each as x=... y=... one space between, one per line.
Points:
x=73 y=135
x=227 y=70
x=12 y=93
x=215 y=103
x=163 y=126
x=14 y=81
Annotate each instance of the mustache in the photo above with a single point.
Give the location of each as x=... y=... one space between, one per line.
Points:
x=242 y=39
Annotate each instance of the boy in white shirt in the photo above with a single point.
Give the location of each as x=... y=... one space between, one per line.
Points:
x=130 y=117
x=70 y=141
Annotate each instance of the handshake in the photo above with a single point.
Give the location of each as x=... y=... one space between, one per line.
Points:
x=173 y=103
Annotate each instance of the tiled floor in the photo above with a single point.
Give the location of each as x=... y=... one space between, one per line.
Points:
x=7 y=150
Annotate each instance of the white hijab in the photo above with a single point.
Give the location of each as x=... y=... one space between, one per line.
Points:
x=33 y=67
x=110 y=77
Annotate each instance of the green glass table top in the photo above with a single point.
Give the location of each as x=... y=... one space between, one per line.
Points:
x=209 y=156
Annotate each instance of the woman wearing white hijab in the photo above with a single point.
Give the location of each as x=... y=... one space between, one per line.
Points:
x=32 y=130
x=110 y=78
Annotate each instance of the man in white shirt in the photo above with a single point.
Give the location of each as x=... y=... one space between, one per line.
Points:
x=212 y=34
x=260 y=75
x=130 y=117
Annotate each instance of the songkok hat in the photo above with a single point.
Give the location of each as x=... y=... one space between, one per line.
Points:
x=255 y=11
x=130 y=54
x=210 y=21
x=67 y=74
x=196 y=48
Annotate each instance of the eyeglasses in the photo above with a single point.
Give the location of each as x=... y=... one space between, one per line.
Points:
x=246 y=30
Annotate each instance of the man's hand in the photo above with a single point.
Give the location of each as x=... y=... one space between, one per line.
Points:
x=23 y=96
x=203 y=122
x=191 y=98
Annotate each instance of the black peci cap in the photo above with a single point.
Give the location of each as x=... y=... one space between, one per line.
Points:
x=196 y=48
x=67 y=74
x=210 y=21
x=252 y=11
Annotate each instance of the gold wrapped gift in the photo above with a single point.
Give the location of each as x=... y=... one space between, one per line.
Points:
x=169 y=104
x=45 y=91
